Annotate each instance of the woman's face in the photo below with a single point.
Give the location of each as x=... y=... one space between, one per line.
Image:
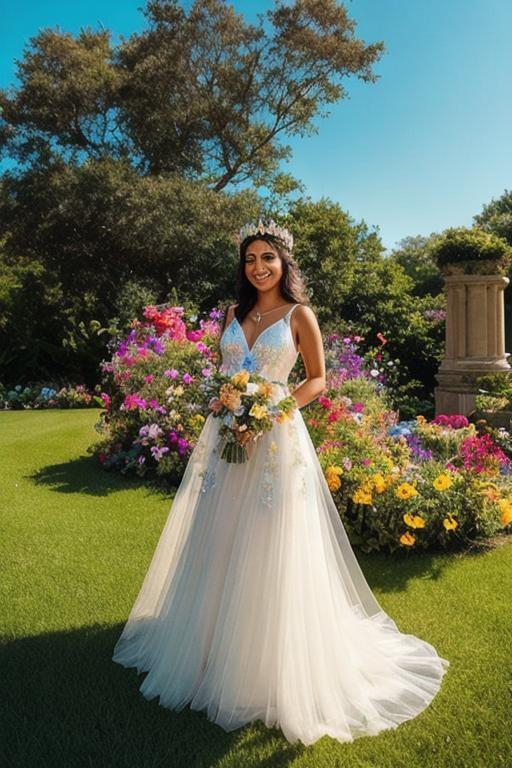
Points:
x=263 y=265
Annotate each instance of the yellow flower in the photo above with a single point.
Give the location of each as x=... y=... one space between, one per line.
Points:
x=406 y=491
x=332 y=474
x=230 y=397
x=334 y=482
x=258 y=411
x=240 y=379
x=265 y=388
x=407 y=539
x=178 y=391
x=281 y=417
x=490 y=491
x=379 y=483
x=414 y=521
x=450 y=523
x=442 y=482
x=506 y=511
x=362 y=496
x=199 y=418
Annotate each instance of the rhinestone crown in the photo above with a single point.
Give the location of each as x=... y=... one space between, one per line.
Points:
x=249 y=230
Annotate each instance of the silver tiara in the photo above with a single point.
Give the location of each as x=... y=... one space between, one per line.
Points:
x=249 y=230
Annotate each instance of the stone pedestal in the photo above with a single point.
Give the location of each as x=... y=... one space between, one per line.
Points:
x=475 y=339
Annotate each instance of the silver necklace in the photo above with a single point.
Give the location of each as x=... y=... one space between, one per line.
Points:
x=257 y=317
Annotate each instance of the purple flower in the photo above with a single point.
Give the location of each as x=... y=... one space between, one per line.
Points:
x=187 y=378
x=157 y=452
x=171 y=373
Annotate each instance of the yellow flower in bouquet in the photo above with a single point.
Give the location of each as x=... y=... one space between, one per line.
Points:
x=240 y=379
x=266 y=389
x=258 y=411
x=230 y=397
x=442 y=482
x=407 y=539
x=406 y=491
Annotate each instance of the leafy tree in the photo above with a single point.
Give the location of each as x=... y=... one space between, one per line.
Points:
x=413 y=254
x=351 y=280
x=200 y=93
x=496 y=217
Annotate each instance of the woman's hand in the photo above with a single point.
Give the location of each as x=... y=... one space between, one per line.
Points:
x=306 y=332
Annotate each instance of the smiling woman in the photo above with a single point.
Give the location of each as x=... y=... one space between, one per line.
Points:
x=254 y=605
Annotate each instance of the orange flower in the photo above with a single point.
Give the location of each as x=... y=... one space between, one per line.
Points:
x=230 y=397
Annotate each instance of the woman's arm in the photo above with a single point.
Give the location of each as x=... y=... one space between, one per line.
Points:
x=305 y=329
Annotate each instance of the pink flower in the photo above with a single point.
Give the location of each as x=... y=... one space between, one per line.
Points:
x=358 y=407
x=149 y=378
x=206 y=372
x=215 y=405
x=325 y=402
x=106 y=400
x=195 y=335
x=187 y=378
x=171 y=373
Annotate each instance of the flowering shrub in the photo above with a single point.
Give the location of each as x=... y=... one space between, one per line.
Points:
x=405 y=485
x=154 y=391
x=38 y=397
x=442 y=485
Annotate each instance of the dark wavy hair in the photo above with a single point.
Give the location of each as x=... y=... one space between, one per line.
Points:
x=291 y=284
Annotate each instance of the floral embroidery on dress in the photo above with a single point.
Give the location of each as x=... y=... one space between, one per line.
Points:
x=269 y=475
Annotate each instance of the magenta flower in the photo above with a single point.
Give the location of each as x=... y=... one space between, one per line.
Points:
x=149 y=378
x=195 y=335
x=325 y=402
x=358 y=407
x=131 y=402
x=187 y=378
x=106 y=400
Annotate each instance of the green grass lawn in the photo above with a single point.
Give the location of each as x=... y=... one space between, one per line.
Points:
x=75 y=545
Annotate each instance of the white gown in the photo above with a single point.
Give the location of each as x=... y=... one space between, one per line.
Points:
x=254 y=605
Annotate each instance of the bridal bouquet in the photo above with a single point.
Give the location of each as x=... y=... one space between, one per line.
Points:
x=244 y=402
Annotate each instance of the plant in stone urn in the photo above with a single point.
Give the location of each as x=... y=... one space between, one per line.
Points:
x=471 y=251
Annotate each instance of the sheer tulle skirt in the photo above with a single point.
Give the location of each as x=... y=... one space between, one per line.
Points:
x=254 y=605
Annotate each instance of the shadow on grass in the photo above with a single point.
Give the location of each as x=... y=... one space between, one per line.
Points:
x=66 y=703
x=391 y=572
x=84 y=475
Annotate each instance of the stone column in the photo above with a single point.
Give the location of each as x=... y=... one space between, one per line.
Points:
x=475 y=339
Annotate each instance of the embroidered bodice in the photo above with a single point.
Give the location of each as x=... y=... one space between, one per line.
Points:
x=272 y=354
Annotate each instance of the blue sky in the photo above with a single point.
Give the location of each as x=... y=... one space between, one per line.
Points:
x=420 y=150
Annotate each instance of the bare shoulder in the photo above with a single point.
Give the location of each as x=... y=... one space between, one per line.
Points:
x=230 y=312
x=304 y=318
